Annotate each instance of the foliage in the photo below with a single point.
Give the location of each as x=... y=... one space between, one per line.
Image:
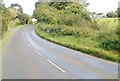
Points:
x=17 y=7
x=11 y=16
x=109 y=34
x=69 y=38
x=14 y=23
x=59 y=5
x=13 y=13
x=111 y=23
x=29 y=21
x=111 y=15
x=5 y=19
x=0 y=17
x=60 y=13
x=23 y=18
x=118 y=12
x=69 y=24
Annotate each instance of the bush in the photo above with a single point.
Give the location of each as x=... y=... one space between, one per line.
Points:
x=23 y=18
x=110 y=45
x=97 y=37
x=5 y=19
x=29 y=21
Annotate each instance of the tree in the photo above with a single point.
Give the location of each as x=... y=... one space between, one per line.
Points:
x=17 y=7
x=118 y=12
x=23 y=18
x=67 y=13
x=5 y=16
x=0 y=17
x=111 y=15
x=13 y=13
x=100 y=14
x=59 y=5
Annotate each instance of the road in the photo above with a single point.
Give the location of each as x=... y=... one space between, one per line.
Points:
x=28 y=56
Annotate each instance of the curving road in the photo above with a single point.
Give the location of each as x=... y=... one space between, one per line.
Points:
x=28 y=56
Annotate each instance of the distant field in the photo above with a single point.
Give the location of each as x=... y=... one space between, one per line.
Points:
x=108 y=22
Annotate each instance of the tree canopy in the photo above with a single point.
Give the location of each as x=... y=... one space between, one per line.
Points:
x=67 y=13
x=11 y=14
x=111 y=14
x=17 y=7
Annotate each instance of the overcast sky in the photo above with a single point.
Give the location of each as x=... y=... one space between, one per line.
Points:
x=99 y=6
x=103 y=6
x=27 y=5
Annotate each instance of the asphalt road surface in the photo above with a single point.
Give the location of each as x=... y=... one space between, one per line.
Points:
x=27 y=56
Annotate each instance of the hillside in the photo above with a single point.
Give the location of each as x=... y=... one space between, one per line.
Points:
x=70 y=25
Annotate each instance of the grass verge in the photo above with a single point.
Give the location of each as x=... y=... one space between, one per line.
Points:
x=71 y=42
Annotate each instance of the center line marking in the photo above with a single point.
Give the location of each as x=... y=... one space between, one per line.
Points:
x=29 y=45
x=37 y=52
x=56 y=66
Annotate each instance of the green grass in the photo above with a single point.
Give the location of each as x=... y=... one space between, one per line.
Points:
x=82 y=44
x=108 y=22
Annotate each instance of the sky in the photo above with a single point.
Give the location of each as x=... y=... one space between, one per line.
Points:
x=99 y=6
x=103 y=6
x=27 y=5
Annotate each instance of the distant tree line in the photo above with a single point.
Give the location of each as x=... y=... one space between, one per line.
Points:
x=12 y=13
x=114 y=14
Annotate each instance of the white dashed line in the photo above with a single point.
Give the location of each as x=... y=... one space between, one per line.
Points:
x=56 y=66
x=37 y=52
x=29 y=45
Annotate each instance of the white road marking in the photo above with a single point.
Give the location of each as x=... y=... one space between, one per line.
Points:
x=37 y=52
x=27 y=42
x=29 y=45
x=56 y=66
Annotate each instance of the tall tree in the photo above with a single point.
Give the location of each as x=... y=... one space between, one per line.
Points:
x=111 y=15
x=17 y=7
x=100 y=14
x=118 y=12
x=23 y=18
x=5 y=18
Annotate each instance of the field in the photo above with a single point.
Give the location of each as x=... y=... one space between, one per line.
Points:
x=108 y=22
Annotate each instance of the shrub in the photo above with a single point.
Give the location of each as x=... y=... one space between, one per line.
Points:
x=23 y=18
